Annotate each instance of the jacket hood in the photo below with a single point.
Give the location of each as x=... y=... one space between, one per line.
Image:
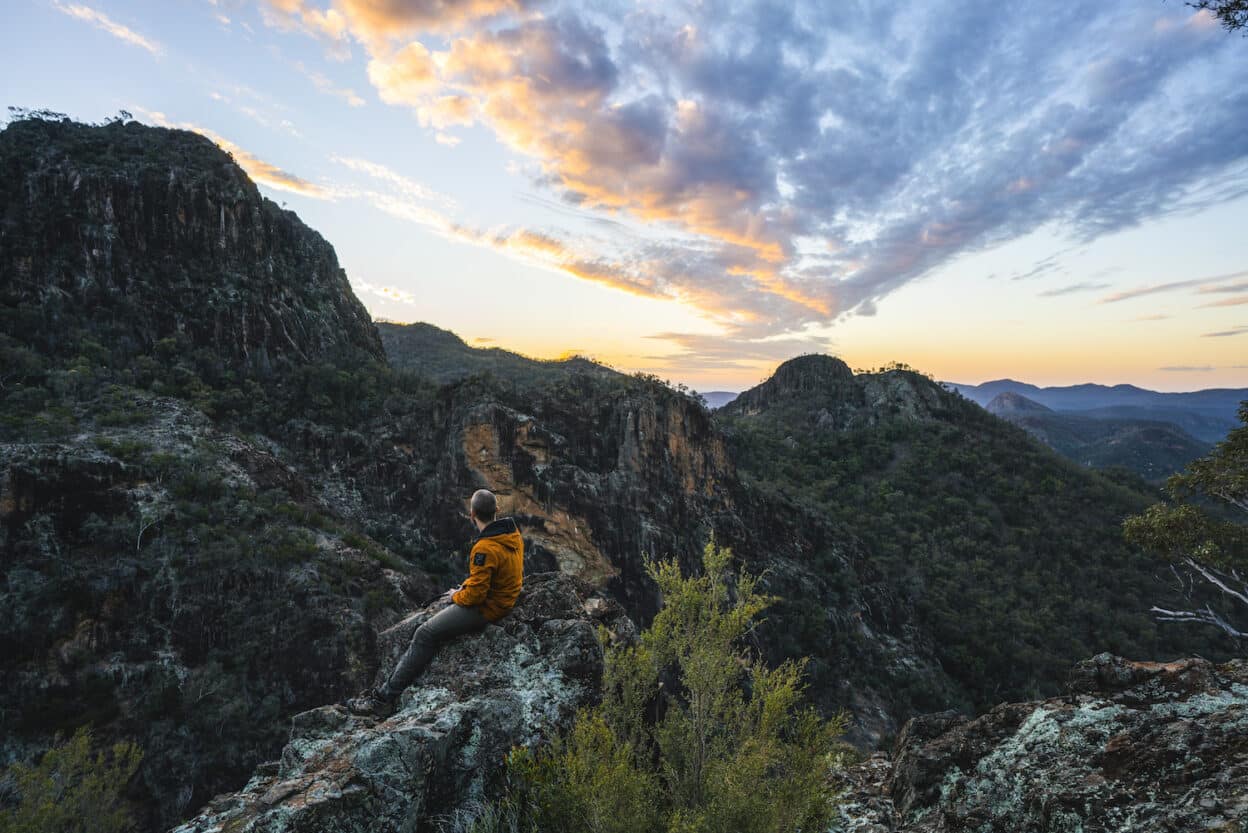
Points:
x=499 y=526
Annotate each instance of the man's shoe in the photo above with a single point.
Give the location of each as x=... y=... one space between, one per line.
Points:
x=371 y=703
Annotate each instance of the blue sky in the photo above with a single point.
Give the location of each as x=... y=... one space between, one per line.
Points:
x=1050 y=191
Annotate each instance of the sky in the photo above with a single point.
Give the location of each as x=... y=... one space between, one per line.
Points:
x=1050 y=191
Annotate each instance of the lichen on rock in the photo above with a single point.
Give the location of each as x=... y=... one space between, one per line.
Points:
x=442 y=753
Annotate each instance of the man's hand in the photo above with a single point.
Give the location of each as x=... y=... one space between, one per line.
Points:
x=445 y=598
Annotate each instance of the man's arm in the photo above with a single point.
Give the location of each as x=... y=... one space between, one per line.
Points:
x=477 y=585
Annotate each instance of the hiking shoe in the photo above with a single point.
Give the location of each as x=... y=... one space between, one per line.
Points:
x=371 y=703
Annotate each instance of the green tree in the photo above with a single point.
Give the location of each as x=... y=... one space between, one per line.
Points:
x=73 y=789
x=694 y=732
x=1202 y=529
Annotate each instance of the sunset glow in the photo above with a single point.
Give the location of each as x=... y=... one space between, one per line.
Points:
x=1051 y=192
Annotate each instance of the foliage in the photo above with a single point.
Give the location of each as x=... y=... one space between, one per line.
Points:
x=694 y=732
x=1007 y=555
x=1202 y=529
x=1232 y=14
x=73 y=789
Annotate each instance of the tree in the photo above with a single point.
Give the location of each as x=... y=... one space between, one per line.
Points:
x=73 y=789
x=1210 y=544
x=1233 y=14
x=694 y=733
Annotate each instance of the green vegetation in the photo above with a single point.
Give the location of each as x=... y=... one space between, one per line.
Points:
x=1202 y=530
x=73 y=789
x=1009 y=556
x=694 y=734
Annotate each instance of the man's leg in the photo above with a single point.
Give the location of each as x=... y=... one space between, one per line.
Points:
x=445 y=625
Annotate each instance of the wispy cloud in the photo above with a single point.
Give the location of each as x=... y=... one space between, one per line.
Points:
x=1183 y=368
x=1205 y=285
x=1157 y=316
x=1073 y=288
x=262 y=172
x=103 y=22
x=1234 y=301
x=323 y=83
x=1238 y=330
x=789 y=188
x=390 y=293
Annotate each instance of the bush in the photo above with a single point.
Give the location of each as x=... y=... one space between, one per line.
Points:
x=693 y=734
x=73 y=789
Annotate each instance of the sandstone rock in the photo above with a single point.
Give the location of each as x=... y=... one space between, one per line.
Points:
x=443 y=752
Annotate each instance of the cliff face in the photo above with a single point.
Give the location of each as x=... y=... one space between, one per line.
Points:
x=98 y=222
x=1132 y=746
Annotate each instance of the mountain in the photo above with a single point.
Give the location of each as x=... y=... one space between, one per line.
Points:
x=1206 y=414
x=218 y=492
x=100 y=221
x=718 y=398
x=444 y=357
x=1009 y=403
x=1152 y=449
x=1005 y=556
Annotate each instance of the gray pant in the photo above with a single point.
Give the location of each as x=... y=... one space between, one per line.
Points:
x=443 y=626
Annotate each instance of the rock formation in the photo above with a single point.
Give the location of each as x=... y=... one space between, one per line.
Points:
x=1133 y=746
x=158 y=233
x=442 y=754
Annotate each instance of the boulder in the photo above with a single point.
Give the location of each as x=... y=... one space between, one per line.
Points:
x=443 y=752
x=1133 y=746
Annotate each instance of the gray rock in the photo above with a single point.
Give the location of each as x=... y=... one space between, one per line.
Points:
x=1134 y=746
x=443 y=752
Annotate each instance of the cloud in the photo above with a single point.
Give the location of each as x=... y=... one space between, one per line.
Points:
x=1073 y=288
x=796 y=163
x=1238 y=330
x=1187 y=368
x=261 y=172
x=1210 y=284
x=325 y=85
x=102 y=21
x=1155 y=317
x=388 y=292
x=701 y=352
x=1235 y=301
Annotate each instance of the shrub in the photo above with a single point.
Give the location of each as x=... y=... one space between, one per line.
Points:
x=694 y=733
x=73 y=789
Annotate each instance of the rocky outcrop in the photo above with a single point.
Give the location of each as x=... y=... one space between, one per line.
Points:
x=1133 y=746
x=158 y=234
x=443 y=752
x=831 y=397
x=1004 y=404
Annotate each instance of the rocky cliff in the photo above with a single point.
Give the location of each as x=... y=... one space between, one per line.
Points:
x=209 y=510
x=441 y=756
x=134 y=234
x=1132 y=746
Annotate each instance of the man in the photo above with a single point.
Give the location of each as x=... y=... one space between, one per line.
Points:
x=495 y=575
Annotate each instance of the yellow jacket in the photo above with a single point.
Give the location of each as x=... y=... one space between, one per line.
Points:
x=495 y=570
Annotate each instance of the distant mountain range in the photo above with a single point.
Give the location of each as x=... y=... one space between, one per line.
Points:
x=1205 y=414
x=1152 y=449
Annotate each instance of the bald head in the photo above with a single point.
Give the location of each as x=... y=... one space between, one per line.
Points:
x=484 y=505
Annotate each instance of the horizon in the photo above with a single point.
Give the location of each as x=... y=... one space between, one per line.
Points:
x=702 y=191
x=771 y=371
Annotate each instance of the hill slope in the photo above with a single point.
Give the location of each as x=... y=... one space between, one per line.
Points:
x=1009 y=557
x=1152 y=449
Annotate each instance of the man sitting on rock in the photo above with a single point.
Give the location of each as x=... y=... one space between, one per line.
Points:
x=495 y=575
